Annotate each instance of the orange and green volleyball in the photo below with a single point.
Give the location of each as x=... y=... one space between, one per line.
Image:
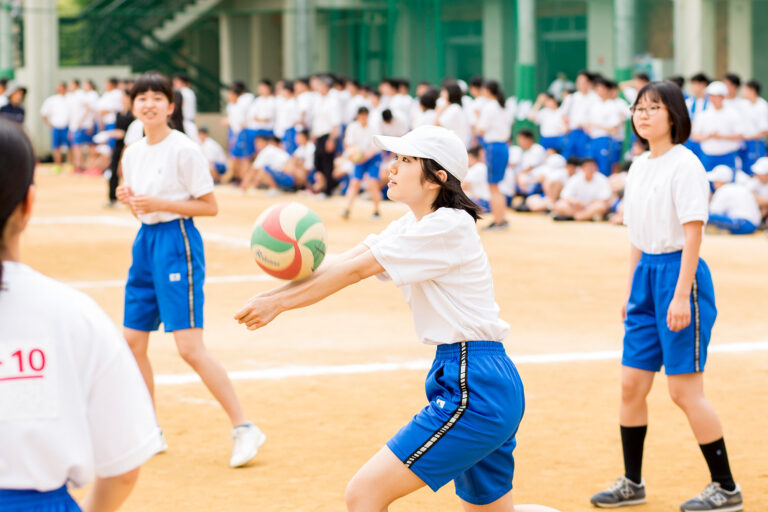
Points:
x=288 y=241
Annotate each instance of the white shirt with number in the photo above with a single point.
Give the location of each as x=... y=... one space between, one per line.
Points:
x=661 y=195
x=440 y=265
x=56 y=109
x=72 y=400
x=174 y=169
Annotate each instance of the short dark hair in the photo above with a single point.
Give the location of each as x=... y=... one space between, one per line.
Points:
x=475 y=151
x=362 y=110
x=288 y=85
x=386 y=115
x=754 y=85
x=671 y=96
x=526 y=133
x=643 y=76
x=733 y=78
x=428 y=100
x=182 y=76
x=203 y=129
x=153 y=81
x=451 y=194
x=476 y=81
x=701 y=78
x=238 y=88
x=586 y=74
x=113 y=81
x=404 y=82
x=268 y=83
x=454 y=92
x=677 y=79
x=573 y=160
x=76 y=81
x=587 y=160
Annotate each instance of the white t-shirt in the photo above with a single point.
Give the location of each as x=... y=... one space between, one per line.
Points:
x=263 y=107
x=401 y=103
x=359 y=136
x=134 y=133
x=423 y=118
x=736 y=202
x=605 y=114
x=396 y=127
x=92 y=104
x=533 y=157
x=725 y=121
x=495 y=122
x=326 y=115
x=755 y=118
x=622 y=109
x=237 y=112
x=173 y=169
x=56 y=109
x=188 y=104
x=551 y=122
x=110 y=103
x=577 y=188
x=661 y=195
x=477 y=177
x=78 y=109
x=758 y=188
x=306 y=102
x=353 y=105
x=306 y=154
x=287 y=114
x=273 y=157
x=455 y=119
x=72 y=400
x=439 y=264
x=577 y=106
x=213 y=151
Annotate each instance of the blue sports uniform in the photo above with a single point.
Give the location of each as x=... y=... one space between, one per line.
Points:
x=57 y=500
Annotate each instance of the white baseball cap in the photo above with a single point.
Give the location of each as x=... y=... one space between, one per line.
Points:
x=428 y=141
x=721 y=173
x=717 y=88
x=555 y=161
x=760 y=167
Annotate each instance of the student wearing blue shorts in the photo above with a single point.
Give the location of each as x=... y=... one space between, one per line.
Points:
x=670 y=310
x=467 y=431
x=361 y=151
x=55 y=114
x=166 y=183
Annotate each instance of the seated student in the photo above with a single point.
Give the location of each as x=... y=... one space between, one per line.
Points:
x=718 y=129
x=214 y=153
x=268 y=167
x=475 y=185
x=732 y=207
x=556 y=173
x=585 y=196
x=533 y=156
x=547 y=114
x=534 y=180
x=758 y=184
x=366 y=157
x=508 y=185
x=302 y=162
x=755 y=119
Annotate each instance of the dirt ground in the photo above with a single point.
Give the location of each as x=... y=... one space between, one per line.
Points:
x=559 y=285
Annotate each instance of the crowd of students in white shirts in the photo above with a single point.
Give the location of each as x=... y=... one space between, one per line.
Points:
x=569 y=158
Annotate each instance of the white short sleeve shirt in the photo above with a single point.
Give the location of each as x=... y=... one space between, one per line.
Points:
x=661 y=195
x=736 y=202
x=56 y=109
x=72 y=400
x=273 y=157
x=439 y=264
x=495 y=122
x=577 y=188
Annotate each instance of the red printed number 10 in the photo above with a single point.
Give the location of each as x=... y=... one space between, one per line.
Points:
x=35 y=360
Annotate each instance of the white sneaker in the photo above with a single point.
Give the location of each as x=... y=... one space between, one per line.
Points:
x=163 y=443
x=248 y=439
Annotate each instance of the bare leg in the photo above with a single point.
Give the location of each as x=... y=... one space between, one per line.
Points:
x=138 y=341
x=687 y=391
x=498 y=203
x=635 y=386
x=191 y=348
x=381 y=480
x=375 y=192
x=592 y=210
x=352 y=192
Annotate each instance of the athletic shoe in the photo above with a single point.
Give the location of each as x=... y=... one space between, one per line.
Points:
x=522 y=208
x=248 y=438
x=714 y=497
x=493 y=226
x=622 y=493
x=163 y=443
x=565 y=218
x=345 y=214
x=55 y=170
x=375 y=216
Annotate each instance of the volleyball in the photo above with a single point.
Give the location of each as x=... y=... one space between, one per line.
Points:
x=288 y=241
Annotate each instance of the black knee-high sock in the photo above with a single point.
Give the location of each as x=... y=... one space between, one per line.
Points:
x=632 y=440
x=717 y=460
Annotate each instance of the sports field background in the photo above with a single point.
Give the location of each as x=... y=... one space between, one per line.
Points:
x=559 y=286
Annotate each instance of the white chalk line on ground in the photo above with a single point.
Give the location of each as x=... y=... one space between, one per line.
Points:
x=292 y=371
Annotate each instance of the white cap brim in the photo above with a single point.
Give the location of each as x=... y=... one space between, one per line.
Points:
x=398 y=145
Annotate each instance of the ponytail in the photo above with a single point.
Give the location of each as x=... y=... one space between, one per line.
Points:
x=451 y=194
x=495 y=89
x=17 y=166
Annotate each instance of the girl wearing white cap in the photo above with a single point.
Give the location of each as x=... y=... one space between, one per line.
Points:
x=670 y=308
x=733 y=206
x=718 y=130
x=467 y=431
x=72 y=401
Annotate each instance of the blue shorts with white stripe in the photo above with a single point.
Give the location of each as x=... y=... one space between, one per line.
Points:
x=648 y=342
x=467 y=431
x=57 y=500
x=165 y=281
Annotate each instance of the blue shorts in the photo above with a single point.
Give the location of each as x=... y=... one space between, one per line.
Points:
x=556 y=143
x=467 y=432
x=648 y=342
x=712 y=161
x=80 y=137
x=57 y=500
x=282 y=180
x=220 y=167
x=577 y=144
x=112 y=140
x=496 y=158
x=602 y=149
x=749 y=153
x=59 y=138
x=618 y=146
x=694 y=146
x=241 y=145
x=484 y=205
x=289 y=140
x=254 y=134
x=165 y=281
x=370 y=167
x=734 y=226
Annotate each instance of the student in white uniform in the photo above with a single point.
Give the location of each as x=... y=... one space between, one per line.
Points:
x=427 y=104
x=552 y=128
x=261 y=113
x=78 y=115
x=450 y=114
x=238 y=103
x=74 y=408
x=326 y=129
x=602 y=126
x=630 y=88
x=467 y=432
x=402 y=102
x=494 y=127
x=366 y=157
x=533 y=155
x=576 y=108
x=268 y=168
x=181 y=83
x=697 y=102
x=214 y=153
x=733 y=206
x=622 y=110
x=287 y=116
x=557 y=172
x=301 y=166
x=718 y=130
x=670 y=308
x=585 y=196
x=758 y=184
x=756 y=121
x=165 y=281
x=475 y=185
x=473 y=105
x=305 y=99
x=55 y=113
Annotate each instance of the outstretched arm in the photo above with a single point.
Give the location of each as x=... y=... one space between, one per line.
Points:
x=351 y=267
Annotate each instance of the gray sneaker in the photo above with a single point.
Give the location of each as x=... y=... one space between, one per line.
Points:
x=714 y=497
x=622 y=493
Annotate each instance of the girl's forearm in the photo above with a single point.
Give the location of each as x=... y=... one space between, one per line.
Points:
x=690 y=259
x=200 y=207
